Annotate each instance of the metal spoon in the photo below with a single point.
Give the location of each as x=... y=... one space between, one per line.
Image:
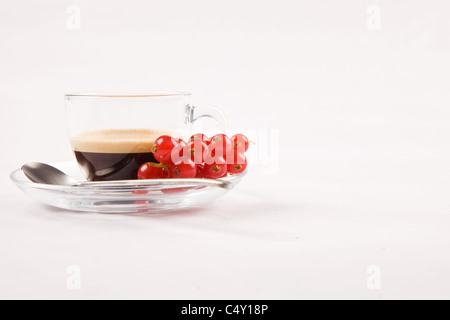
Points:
x=43 y=173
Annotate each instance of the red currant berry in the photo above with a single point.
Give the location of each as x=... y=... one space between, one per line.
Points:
x=150 y=170
x=217 y=169
x=223 y=140
x=201 y=173
x=201 y=137
x=240 y=143
x=180 y=152
x=213 y=154
x=162 y=148
x=181 y=169
x=197 y=149
x=239 y=165
x=220 y=145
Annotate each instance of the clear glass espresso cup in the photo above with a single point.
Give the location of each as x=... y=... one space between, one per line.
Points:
x=112 y=134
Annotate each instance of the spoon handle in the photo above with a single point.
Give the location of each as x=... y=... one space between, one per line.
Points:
x=47 y=174
x=158 y=182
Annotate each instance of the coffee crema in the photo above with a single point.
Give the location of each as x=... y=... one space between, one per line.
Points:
x=115 y=154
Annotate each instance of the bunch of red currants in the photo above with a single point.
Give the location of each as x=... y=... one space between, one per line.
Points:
x=200 y=157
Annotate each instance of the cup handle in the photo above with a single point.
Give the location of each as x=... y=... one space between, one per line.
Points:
x=199 y=113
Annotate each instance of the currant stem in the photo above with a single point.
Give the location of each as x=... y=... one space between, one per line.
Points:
x=158 y=165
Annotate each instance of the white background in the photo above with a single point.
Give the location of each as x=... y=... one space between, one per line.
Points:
x=363 y=118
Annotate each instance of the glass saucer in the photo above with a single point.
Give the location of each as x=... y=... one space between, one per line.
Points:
x=128 y=196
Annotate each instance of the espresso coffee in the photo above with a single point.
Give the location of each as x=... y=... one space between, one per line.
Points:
x=114 y=154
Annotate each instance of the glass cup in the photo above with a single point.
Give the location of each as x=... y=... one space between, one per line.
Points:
x=112 y=134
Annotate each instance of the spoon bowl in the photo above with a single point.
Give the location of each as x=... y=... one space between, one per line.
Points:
x=43 y=173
